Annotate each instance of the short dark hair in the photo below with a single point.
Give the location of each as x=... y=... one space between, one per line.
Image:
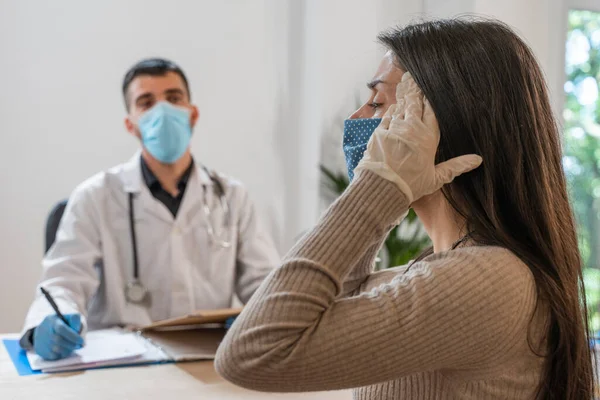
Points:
x=153 y=67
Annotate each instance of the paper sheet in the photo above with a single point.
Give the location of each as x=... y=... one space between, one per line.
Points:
x=102 y=348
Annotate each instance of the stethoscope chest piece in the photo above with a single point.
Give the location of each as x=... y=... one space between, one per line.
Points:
x=135 y=292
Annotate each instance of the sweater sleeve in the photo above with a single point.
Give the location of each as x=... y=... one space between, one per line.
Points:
x=456 y=310
x=362 y=270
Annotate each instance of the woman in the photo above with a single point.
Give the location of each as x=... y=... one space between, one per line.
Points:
x=494 y=310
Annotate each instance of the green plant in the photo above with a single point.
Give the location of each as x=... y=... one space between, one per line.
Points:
x=582 y=145
x=405 y=242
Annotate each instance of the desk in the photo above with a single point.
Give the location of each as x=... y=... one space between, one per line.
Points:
x=194 y=380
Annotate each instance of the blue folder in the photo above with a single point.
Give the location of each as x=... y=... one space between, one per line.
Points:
x=21 y=363
x=19 y=357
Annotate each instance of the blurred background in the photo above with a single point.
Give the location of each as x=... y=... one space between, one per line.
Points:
x=274 y=80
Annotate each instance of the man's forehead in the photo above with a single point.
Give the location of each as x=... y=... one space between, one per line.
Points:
x=156 y=83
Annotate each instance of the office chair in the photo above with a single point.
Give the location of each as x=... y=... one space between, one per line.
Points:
x=53 y=221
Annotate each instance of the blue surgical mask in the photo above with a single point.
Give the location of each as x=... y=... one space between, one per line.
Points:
x=166 y=131
x=357 y=133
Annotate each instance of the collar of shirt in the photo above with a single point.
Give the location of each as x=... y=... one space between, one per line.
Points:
x=152 y=181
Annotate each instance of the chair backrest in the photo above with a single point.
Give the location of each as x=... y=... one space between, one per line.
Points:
x=53 y=221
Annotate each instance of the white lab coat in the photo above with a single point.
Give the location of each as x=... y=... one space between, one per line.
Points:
x=91 y=261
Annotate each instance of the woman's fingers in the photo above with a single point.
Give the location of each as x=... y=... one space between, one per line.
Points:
x=387 y=118
x=414 y=106
x=410 y=98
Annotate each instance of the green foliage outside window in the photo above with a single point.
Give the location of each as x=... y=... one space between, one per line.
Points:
x=582 y=144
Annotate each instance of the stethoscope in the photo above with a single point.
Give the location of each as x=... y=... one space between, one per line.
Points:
x=135 y=292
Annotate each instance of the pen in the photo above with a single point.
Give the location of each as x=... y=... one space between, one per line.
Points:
x=53 y=304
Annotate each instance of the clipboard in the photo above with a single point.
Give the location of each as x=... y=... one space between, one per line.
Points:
x=200 y=317
x=193 y=337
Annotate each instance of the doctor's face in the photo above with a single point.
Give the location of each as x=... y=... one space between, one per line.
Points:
x=147 y=90
x=383 y=89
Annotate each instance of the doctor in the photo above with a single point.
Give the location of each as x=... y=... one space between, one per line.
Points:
x=157 y=237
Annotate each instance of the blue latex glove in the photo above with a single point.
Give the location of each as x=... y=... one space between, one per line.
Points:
x=53 y=339
x=229 y=321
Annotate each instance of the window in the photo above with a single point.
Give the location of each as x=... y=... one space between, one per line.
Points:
x=582 y=144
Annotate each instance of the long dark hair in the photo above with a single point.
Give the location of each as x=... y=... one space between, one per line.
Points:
x=490 y=98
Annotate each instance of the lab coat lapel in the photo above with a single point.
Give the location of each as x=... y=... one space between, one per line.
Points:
x=190 y=212
x=133 y=182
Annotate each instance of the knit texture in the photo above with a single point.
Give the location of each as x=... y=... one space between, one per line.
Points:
x=456 y=325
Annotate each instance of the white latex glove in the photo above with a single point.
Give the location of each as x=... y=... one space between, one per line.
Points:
x=402 y=149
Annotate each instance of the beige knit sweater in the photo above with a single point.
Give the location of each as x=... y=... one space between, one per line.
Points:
x=455 y=326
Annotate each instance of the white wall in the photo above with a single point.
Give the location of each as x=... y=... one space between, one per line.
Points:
x=272 y=78
x=61 y=112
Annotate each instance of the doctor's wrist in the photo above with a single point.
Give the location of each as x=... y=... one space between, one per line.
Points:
x=26 y=341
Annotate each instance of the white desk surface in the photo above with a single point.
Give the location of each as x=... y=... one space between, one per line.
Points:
x=194 y=380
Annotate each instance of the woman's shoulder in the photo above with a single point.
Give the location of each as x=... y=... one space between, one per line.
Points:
x=493 y=262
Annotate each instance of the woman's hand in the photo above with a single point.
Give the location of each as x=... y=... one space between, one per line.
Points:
x=402 y=149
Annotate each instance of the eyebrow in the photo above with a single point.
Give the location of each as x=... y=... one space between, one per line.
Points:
x=175 y=91
x=149 y=95
x=371 y=85
x=144 y=96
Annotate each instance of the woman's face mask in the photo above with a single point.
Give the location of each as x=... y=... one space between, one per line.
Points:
x=357 y=133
